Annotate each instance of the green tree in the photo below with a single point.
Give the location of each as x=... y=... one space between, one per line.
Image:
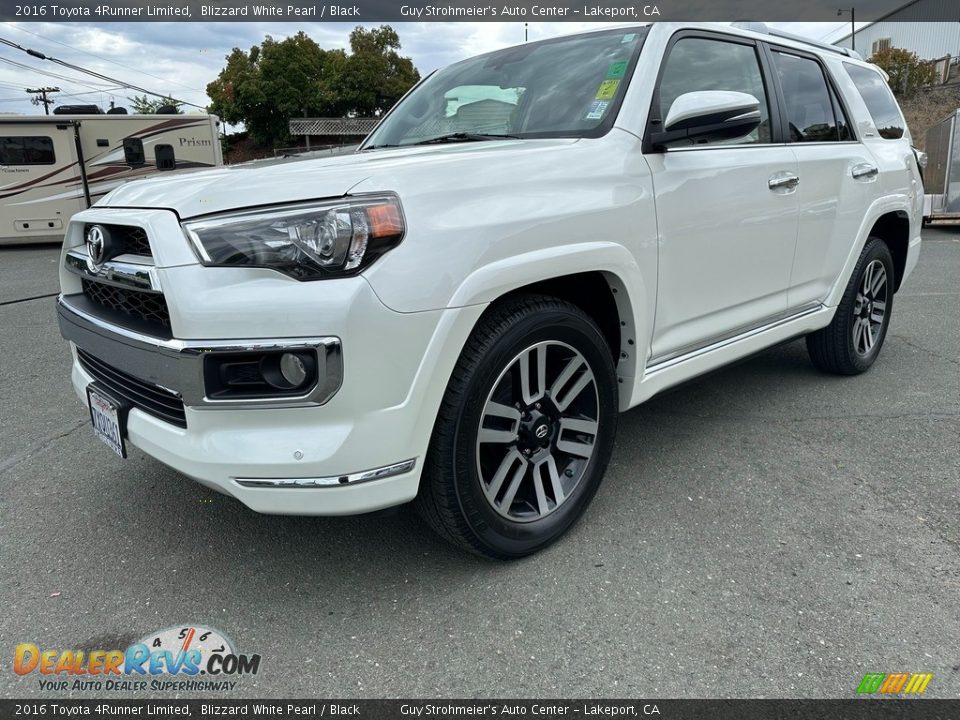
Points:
x=282 y=79
x=375 y=76
x=144 y=105
x=906 y=70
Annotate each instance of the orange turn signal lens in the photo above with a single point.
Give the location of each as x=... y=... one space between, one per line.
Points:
x=385 y=220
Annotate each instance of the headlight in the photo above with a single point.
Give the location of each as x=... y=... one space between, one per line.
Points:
x=305 y=241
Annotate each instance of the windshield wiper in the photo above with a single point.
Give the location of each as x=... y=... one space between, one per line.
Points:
x=465 y=137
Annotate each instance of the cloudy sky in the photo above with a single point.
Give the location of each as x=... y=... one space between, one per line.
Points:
x=181 y=58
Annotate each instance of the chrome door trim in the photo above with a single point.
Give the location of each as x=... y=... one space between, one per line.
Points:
x=661 y=362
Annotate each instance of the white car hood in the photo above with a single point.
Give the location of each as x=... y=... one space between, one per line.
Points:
x=230 y=188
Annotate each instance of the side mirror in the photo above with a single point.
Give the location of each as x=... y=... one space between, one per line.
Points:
x=709 y=116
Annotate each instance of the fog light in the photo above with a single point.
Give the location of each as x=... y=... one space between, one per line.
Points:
x=268 y=374
x=293 y=369
x=289 y=371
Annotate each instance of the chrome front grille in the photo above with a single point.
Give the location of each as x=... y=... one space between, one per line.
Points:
x=126 y=239
x=123 y=287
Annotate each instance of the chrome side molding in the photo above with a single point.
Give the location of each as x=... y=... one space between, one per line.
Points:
x=365 y=476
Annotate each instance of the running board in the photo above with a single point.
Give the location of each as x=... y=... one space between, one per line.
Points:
x=674 y=370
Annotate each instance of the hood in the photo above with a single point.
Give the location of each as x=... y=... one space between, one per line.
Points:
x=270 y=183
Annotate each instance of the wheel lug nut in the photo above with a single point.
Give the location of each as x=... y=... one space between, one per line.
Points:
x=568 y=472
x=537 y=406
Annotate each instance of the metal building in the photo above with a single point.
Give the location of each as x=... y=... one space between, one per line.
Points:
x=903 y=28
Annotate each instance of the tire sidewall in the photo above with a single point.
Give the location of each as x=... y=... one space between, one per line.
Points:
x=875 y=250
x=506 y=537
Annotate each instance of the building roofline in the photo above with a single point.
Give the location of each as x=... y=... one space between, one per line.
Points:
x=874 y=22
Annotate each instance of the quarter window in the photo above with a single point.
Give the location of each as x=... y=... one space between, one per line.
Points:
x=27 y=150
x=879 y=100
x=809 y=101
x=706 y=64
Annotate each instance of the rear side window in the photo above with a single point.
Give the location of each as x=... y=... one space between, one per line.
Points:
x=27 y=150
x=879 y=100
x=810 y=104
x=698 y=63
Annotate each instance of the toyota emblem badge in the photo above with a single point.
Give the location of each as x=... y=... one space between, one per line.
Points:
x=96 y=245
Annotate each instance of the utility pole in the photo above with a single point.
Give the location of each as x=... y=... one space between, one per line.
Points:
x=43 y=100
x=853 y=25
x=526 y=32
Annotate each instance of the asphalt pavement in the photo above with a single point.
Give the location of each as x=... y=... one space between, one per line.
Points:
x=765 y=531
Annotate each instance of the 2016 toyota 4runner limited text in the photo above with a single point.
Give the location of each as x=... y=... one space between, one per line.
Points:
x=531 y=241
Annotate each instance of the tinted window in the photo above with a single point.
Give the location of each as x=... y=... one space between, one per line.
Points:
x=704 y=64
x=29 y=150
x=843 y=124
x=879 y=101
x=165 y=157
x=564 y=87
x=810 y=106
x=133 y=151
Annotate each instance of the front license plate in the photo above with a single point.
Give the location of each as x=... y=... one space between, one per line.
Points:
x=106 y=418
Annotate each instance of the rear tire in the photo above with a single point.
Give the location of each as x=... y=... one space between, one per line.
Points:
x=850 y=344
x=524 y=432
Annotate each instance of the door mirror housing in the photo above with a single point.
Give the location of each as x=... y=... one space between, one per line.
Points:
x=709 y=116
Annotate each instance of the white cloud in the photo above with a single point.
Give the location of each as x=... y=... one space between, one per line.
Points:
x=181 y=58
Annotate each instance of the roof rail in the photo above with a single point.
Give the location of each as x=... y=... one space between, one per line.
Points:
x=759 y=27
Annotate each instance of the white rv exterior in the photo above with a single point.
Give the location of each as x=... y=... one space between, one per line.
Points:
x=54 y=166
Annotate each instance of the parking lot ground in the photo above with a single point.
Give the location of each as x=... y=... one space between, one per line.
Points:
x=766 y=531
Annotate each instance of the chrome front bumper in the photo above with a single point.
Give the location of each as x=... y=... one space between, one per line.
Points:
x=177 y=365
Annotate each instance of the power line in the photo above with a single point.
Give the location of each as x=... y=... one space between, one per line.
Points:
x=47 y=73
x=100 y=57
x=93 y=73
x=80 y=95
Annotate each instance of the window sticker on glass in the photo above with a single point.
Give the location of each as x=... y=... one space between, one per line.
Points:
x=617 y=69
x=607 y=89
x=628 y=38
x=597 y=109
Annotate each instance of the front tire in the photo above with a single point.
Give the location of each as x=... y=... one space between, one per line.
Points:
x=524 y=432
x=850 y=344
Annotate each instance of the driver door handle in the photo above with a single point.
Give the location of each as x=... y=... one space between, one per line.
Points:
x=783 y=181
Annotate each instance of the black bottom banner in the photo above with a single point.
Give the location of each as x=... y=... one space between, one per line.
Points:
x=854 y=709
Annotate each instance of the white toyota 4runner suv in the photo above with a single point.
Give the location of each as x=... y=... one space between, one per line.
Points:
x=530 y=242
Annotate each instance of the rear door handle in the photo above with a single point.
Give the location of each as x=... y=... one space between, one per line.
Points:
x=783 y=180
x=864 y=171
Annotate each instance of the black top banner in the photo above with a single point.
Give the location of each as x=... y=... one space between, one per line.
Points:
x=358 y=11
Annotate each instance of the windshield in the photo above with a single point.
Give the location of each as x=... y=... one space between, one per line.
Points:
x=563 y=87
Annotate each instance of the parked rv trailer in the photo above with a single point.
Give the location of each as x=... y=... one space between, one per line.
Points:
x=941 y=178
x=54 y=166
